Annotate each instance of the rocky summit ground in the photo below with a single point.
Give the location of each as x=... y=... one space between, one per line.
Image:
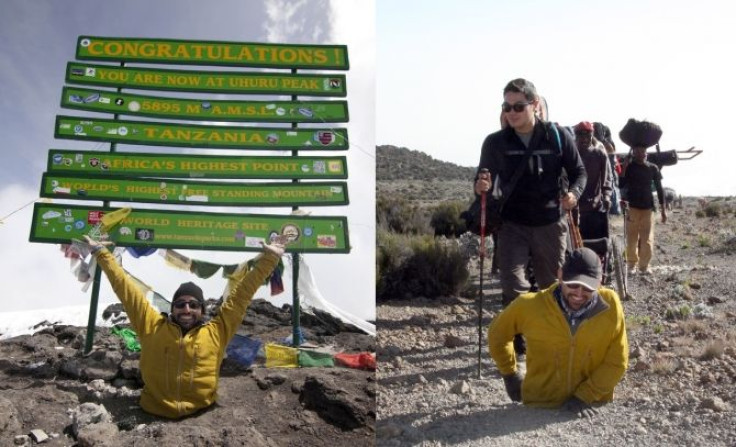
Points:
x=678 y=390
x=51 y=393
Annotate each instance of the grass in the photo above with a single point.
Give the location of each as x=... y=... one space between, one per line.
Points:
x=714 y=349
x=663 y=366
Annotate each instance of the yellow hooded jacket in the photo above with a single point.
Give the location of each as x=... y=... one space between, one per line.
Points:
x=180 y=373
x=587 y=365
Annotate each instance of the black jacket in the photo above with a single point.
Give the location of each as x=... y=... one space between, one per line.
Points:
x=637 y=182
x=535 y=201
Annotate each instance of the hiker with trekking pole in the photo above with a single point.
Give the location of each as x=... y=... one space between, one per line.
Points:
x=525 y=160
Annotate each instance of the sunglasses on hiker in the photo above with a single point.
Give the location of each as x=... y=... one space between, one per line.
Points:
x=194 y=305
x=517 y=107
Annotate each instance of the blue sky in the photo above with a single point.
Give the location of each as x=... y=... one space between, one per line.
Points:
x=442 y=66
x=38 y=38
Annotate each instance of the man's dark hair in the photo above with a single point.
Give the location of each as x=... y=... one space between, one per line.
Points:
x=521 y=85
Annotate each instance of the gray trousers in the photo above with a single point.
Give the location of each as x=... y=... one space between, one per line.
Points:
x=516 y=243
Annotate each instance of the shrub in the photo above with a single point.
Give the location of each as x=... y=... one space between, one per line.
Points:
x=396 y=214
x=412 y=266
x=664 y=366
x=446 y=219
x=713 y=209
x=714 y=349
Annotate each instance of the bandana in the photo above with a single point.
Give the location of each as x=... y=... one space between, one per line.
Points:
x=574 y=317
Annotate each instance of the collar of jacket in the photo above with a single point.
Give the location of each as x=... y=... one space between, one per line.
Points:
x=540 y=130
x=600 y=306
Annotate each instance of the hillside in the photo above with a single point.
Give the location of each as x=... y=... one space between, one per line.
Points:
x=400 y=163
x=419 y=178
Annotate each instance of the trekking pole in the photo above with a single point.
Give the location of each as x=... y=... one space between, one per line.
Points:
x=625 y=267
x=482 y=257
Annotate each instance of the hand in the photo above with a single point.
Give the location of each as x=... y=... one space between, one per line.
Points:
x=580 y=408
x=513 y=385
x=483 y=184
x=569 y=201
x=276 y=247
x=624 y=205
x=606 y=205
x=95 y=245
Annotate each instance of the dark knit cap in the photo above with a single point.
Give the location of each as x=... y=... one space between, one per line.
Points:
x=191 y=289
x=582 y=267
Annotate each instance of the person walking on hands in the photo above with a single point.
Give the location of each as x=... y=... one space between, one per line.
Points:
x=532 y=215
x=577 y=349
x=181 y=353
x=638 y=176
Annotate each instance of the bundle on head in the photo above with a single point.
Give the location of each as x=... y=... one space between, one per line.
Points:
x=640 y=133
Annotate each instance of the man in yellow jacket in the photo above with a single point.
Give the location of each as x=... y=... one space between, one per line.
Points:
x=577 y=349
x=181 y=353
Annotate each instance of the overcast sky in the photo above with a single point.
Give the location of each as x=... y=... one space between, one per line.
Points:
x=442 y=67
x=38 y=38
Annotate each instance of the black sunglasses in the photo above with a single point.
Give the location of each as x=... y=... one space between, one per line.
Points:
x=192 y=304
x=518 y=107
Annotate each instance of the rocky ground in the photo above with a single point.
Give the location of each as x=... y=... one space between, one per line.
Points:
x=50 y=393
x=678 y=390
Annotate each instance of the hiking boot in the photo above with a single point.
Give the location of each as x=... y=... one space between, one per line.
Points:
x=645 y=272
x=631 y=271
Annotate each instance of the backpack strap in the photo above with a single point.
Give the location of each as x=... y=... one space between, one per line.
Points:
x=557 y=137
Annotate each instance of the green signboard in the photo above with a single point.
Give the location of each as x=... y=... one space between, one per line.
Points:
x=65 y=161
x=170 y=134
x=59 y=223
x=204 y=109
x=122 y=189
x=190 y=52
x=207 y=81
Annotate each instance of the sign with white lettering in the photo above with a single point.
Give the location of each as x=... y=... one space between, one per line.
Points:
x=65 y=161
x=148 y=190
x=205 y=110
x=59 y=223
x=170 y=134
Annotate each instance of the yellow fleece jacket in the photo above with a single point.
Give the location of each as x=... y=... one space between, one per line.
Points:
x=180 y=373
x=559 y=365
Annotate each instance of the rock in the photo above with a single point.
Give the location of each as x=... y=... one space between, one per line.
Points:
x=9 y=419
x=334 y=405
x=388 y=431
x=99 y=364
x=87 y=414
x=38 y=436
x=641 y=365
x=398 y=362
x=276 y=378
x=457 y=310
x=637 y=353
x=391 y=350
x=102 y=434
x=461 y=387
x=715 y=403
x=130 y=369
x=453 y=341
x=22 y=440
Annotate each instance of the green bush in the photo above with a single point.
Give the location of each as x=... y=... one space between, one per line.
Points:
x=446 y=219
x=713 y=209
x=394 y=213
x=412 y=266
